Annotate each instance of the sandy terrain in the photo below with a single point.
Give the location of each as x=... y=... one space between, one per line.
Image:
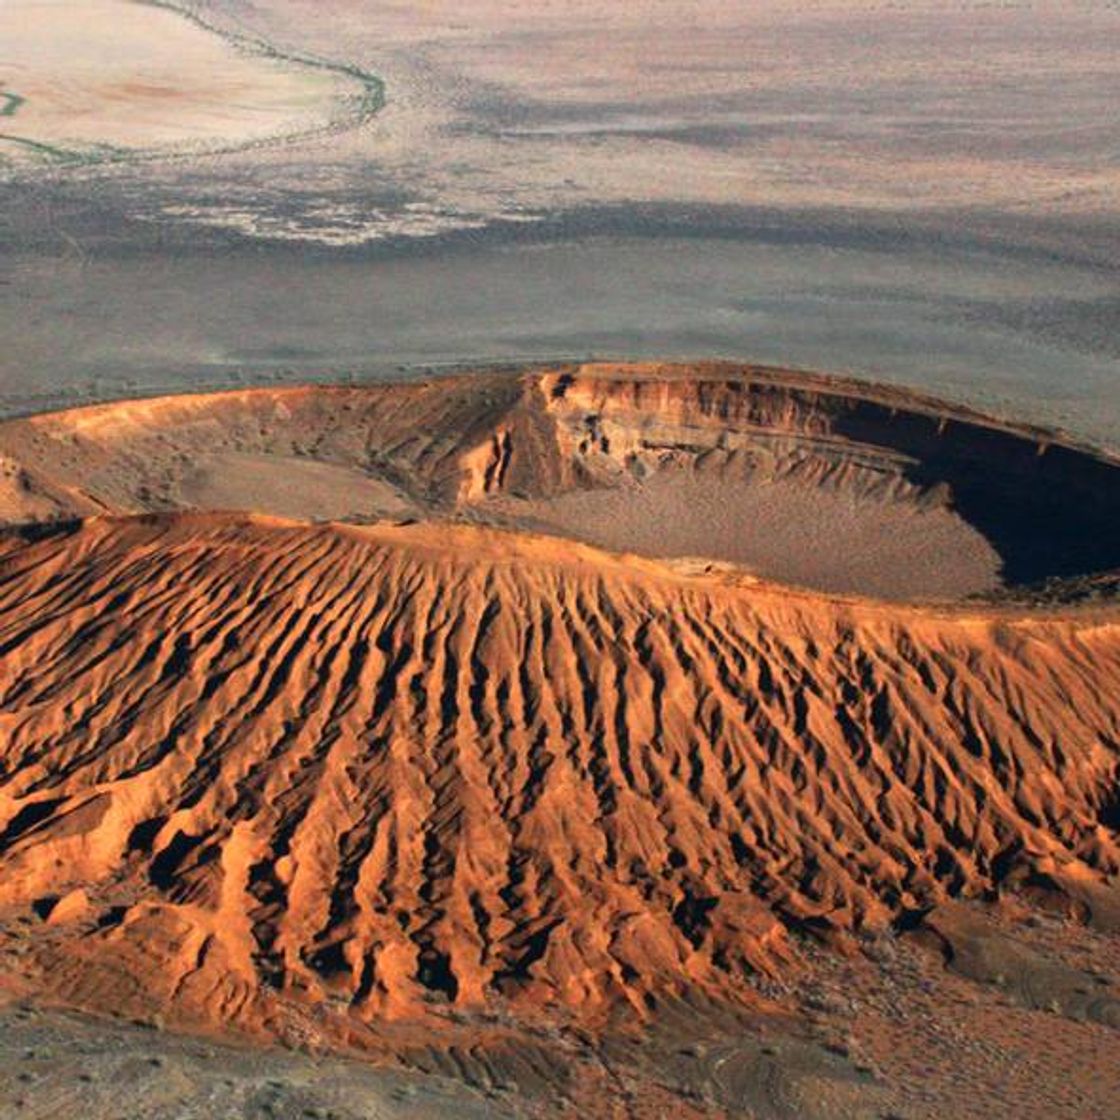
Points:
x=783 y=529
x=888 y=1032
x=496 y=113
x=111 y=320
x=426 y=762
x=493 y=112
x=797 y=479
x=853 y=102
x=289 y=487
x=340 y=781
x=55 y=1064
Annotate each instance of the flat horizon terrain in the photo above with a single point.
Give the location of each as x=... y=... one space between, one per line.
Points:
x=749 y=182
x=559 y=560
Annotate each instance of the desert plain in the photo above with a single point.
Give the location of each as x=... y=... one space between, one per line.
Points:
x=559 y=561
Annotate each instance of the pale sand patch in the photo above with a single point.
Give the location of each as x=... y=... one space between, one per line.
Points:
x=783 y=530
x=111 y=74
x=288 y=487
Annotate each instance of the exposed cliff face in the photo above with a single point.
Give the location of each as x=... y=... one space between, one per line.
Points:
x=1047 y=507
x=364 y=768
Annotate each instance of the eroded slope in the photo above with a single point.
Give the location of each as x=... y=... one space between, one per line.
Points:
x=249 y=766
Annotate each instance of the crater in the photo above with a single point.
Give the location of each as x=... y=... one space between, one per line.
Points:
x=820 y=482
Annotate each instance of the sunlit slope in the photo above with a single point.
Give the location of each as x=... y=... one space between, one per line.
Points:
x=397 y=765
